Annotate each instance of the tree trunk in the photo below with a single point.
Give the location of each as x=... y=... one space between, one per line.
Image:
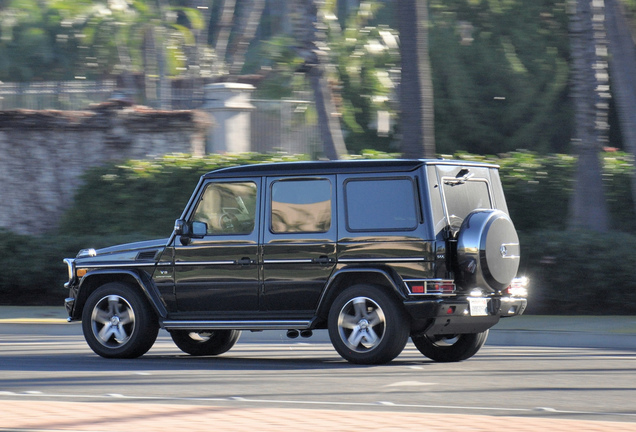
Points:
x=307 y=32
x=328 y=121
x=223 y=39
x=250 y=19
x=588 y=206
x=416 y=89
x=622 y=66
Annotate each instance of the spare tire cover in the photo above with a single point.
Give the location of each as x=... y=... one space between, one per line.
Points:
x=487 y=250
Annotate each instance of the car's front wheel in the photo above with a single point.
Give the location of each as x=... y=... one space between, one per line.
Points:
x=450 y=348
x=367 y=325
x=203 y=343
x=118 y=322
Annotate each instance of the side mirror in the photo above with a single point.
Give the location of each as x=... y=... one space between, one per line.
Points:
x=180 y=227
x=194 y=229
x=199 y=229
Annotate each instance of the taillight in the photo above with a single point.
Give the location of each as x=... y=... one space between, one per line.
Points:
x=431 y=287
x=518 y=287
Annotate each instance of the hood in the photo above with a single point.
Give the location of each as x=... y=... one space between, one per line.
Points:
x=148 y=250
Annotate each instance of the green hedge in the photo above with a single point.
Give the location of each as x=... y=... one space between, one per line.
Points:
x=146 y=196
x=579 y=273
x=143 y=197
x=33 y=272
x=571 y=272
x=538 y=188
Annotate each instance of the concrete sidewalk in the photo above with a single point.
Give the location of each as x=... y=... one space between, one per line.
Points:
x=102 y=417
x=612 y=332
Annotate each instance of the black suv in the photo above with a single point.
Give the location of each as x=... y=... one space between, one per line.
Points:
x=374 y=251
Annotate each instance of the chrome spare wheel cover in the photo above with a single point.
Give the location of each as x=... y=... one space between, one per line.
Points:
x=487 y=250
x=361 y=324
x=113 y=321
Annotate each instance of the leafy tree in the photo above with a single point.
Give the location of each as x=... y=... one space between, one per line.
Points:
x=39 y=41
x=500 y=75
x=361 y=66
x=366 y=57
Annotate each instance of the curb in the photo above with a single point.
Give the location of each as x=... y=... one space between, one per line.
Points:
x=606 y=332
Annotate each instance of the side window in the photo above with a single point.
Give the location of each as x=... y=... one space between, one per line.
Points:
x=227 y=208
x=381 y=204
x=301 y=206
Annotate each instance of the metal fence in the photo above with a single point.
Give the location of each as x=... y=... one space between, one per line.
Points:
x=63 y=95
x=287 y=125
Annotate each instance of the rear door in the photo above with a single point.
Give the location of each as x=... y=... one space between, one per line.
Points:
x=299 y=242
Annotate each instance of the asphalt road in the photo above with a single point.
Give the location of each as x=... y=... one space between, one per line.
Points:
x=52 y=362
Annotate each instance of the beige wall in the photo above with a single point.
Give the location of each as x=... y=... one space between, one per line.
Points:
x=44 y=153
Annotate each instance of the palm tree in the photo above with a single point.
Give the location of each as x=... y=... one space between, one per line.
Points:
x=588 y=206
x=416 y=88
x=622 y=66
x=310 y=37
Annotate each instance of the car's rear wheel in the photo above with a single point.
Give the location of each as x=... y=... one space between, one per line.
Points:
x=203 y=343
x=450 y=348
x=367 y=326
x=118 y=322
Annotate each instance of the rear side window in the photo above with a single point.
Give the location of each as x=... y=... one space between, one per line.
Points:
x=381 y=204
x=301 y=206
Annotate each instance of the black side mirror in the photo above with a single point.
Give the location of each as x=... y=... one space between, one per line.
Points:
x=188 y=231
x=199 y=229
x=180 y=227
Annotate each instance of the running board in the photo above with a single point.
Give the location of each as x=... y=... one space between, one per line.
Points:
x=236 y=325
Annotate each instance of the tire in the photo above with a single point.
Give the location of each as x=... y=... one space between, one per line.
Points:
x=118 y=322
x=204 y=343
x=450 y=348
x=367 y=326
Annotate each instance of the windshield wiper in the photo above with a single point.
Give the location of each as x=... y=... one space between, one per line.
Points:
x=462 y=177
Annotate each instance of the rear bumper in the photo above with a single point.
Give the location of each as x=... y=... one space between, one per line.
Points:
x=447 y=316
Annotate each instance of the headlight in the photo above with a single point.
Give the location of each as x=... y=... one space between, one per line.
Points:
x=86 y=253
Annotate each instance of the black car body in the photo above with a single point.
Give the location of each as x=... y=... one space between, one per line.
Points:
x=375 y=251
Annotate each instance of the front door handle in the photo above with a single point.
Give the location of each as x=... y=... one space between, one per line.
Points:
x=245 y=261
x=323 y=260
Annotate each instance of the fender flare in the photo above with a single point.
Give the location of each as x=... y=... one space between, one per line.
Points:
x=143 y=281
x=332 y=290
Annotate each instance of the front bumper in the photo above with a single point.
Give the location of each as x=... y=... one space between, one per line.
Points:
x=449 y=316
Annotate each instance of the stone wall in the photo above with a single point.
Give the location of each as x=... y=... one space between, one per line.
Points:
x=44 y=153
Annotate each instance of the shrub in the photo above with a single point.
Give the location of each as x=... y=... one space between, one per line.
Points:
x=538 y=188
x=571 y=272
x=576 y=272
x=33 y=272
x=143 y=197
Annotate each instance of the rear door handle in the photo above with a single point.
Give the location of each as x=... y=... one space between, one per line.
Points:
x=245 y=261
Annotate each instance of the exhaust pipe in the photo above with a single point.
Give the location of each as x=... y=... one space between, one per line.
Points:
x=306 y=333
x=292 y=334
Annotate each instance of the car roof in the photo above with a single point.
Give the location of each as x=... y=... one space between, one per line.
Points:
x=334 y=167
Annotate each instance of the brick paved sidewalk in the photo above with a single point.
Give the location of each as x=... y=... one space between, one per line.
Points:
x=102 y=417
